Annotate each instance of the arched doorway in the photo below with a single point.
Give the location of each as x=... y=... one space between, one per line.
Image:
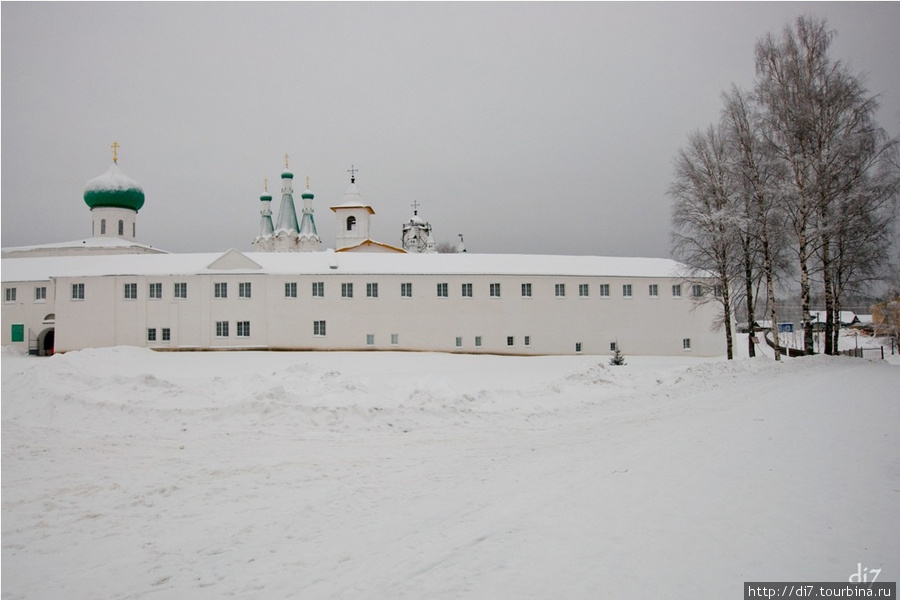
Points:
x=45 y=342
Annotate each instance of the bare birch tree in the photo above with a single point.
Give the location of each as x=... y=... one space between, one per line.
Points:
x=704 y=220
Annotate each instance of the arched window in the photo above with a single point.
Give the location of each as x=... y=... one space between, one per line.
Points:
x=102 y=226
x=134 y=230
x=121 y=227
x=351 y=223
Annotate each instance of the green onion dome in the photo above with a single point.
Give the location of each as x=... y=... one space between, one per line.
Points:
x=287 y=175
x=114 y=189
x=307 y=194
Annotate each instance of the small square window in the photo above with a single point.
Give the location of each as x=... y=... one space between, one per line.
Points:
x=166 y=334
x=180 y=290
x=442 y=291
x=319 y=328
x=151 y=334
x=459 y=342
x=406 y=290
x=526 y=290
x=467 y=290
x=626 y=290
x=478 y=341
x=686 y=343
x=243 y=328
x=40 y=294
x=346 y=290
x=560 y=290
x=604 y=290
x=583 y=289
x=395 y=339
x=495 y=290
x=370 y=339
x=290 y=289
x=654 y=289
x=244 y=290
x=371 y=290
x=221 y=328
x=221 y=290
x=11 y=294
x=696 y=290
x=77 y=291
x=676 y=290
x=613 y=346
x=318 y=289
x=131 y=291
x=577 y=346
x=510 y=340
x=527 y=340
x=154 y=291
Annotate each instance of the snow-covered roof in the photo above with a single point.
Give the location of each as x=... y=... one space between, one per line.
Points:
x=348 y=263
x=93 y=245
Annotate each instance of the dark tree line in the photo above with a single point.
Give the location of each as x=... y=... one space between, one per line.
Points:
x=796 y=179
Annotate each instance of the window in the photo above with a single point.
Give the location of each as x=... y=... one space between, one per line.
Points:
x=244 y=290
x=696 y=290
x=442 y=290
x=467 y=290
x=370 y=339
x=526 y=290
x=319 y=328
x=290 y=289
x=40 y=293
x=577 y=346
x=102 y=226
x=478 y=341
x=346 y=290
x=604 y=290
x=510 y=340
x=654 y=290
x=582 y=289
x=459 y=342
x=154 y=291
x=626 y=290
x=527 y=340
x=166 y=334
x=121 y=227
x=351 y=223
x=131 y=291
x=180 y=290
x=318 y=289
x=221 y=290
x=686 y=343
x=406 y=290
x=11 y=294
x=495 y=290
x=151 y=334
x=77 y=291
x=717 y=291
x=371 y=290
x=395 y=339
x=676 y=290
x=560 y=290
x=613 y=346
x=243 y=328
x=221 y=328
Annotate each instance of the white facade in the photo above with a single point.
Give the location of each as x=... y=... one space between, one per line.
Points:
x=504 y=304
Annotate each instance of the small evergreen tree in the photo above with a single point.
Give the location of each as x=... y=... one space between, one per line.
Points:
x=617 y=358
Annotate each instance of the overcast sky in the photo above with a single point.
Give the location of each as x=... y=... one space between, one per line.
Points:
x=533 y=128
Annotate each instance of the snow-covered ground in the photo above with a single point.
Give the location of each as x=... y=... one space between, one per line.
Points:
x=134 y=474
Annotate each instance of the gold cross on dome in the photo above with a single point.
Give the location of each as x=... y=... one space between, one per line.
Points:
x=307 y=182
x=115 y=147
x=266 y=184
x=285 y=161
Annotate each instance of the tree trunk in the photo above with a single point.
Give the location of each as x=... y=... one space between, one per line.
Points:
x=808 y=344
x=748 y=281
x=829 y=295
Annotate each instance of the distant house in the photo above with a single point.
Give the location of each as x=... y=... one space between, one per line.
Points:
x=818 y=318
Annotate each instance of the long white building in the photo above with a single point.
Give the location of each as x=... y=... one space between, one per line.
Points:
x=345 y=300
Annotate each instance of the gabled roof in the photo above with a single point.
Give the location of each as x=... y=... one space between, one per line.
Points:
x=233 y=260
x=367 y=243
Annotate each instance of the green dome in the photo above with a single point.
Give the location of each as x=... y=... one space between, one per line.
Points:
x=307 y=194
x=114 y=189
x=287 y=175
x=266 y=198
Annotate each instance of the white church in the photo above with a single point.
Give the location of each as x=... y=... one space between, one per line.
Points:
x=291 y=294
